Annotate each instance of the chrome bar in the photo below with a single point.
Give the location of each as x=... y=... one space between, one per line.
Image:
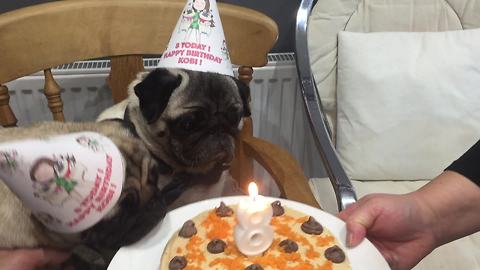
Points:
x=344 y=191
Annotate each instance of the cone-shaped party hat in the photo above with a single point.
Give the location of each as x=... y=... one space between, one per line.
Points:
x=198 y=42
x=69 y=182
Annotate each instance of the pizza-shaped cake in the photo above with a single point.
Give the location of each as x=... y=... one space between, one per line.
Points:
x=207 y=242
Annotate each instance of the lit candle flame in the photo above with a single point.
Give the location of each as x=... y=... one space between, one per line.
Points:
x=253 y=190
x=253 y=232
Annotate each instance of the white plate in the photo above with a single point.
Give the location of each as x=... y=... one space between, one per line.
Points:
x=146 y=253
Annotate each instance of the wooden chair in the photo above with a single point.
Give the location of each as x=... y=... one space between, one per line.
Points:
x=44 y=36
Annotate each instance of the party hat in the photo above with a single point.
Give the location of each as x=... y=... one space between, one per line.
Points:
x=198 y=42
x=69 y=182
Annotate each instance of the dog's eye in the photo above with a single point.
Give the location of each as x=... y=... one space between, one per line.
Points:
x=186 y=123
x=233 y=116
x=191 y=121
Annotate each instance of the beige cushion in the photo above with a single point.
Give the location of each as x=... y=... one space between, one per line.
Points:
x=462 y=254
x=407 y=102
x=331 y=16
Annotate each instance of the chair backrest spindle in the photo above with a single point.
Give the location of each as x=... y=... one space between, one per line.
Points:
x=245 y=74
x=52 y=92
x=123 y=70
x=7 y=117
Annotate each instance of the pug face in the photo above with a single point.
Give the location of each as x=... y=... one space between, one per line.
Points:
x=191 y=118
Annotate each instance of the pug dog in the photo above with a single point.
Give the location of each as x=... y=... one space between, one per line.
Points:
x=177 y=138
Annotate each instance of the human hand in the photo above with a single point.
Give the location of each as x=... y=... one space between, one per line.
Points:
x=398 y=225
x=30 y=259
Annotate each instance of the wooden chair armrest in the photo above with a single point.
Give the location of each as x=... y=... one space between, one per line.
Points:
x=283 y=168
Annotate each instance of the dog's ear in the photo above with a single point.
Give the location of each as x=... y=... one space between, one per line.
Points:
x=154 y=92
x=244 y=92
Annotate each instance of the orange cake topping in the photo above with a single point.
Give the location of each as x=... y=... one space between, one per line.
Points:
x=300 y=243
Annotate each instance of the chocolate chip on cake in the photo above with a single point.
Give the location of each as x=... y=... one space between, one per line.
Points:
x=254 y=267
x=335 y=254
x=223 y=210
x=188 y=229
x=216 y=246
x=312 y=227
x=177 y=263
x=288 y=246
x=277 y=208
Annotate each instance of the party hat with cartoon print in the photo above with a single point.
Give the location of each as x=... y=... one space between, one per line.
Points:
x=198 y=42
x=69 y=182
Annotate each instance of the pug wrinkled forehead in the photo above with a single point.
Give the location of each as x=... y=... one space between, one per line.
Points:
x=174 y=92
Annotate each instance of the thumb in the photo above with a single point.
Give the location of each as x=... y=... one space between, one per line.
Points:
x=359 y=222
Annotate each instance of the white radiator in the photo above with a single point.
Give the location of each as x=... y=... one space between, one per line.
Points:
x=277 y=108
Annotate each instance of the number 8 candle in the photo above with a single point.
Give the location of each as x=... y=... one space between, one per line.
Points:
x=253 y=233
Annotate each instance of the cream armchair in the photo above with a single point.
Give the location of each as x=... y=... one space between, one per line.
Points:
x=318 y=25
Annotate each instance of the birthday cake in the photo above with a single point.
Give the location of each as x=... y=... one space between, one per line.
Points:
x=299 y=243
